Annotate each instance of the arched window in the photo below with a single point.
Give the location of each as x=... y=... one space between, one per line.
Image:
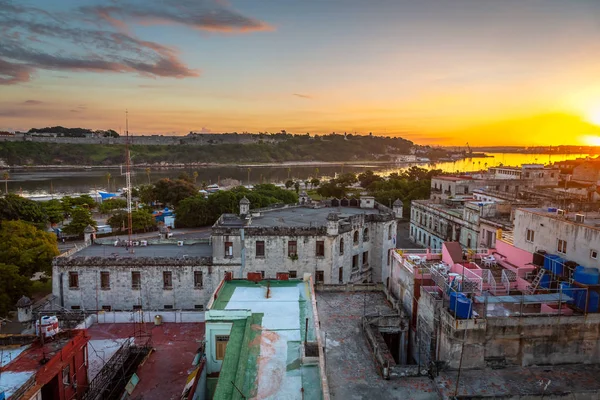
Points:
x=341 y=245
x=355 y=237
x=366 y=235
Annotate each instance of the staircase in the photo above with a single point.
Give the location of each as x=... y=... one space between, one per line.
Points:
x=536 y=281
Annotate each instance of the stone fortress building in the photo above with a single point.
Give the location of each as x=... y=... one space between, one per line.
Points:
x=336 y=241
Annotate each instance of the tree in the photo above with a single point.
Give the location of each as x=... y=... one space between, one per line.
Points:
x=193 y=212
x=172 y=192
x=27 y=247
x=54 y=210
x=112 y=204
x=80 y=219
x=297 y=187
x=140 y=220
x=12 y=287
x=367 y=178
x=195 y=175
x=5 y=176
x=148 y=174
x=306 y=183
x=146 y=193
x=14 y=207
x=108 y=176
x=314 y=182
x=289 y=183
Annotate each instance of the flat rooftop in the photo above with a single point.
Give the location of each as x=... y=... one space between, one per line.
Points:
x=271 y=348
x=164 y=374
x=153 y=250
x=591 y=220
x=297 y=217
x=351 y=368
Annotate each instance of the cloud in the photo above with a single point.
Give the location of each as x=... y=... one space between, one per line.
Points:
x=32 y=102
x=303 y=96
x=207 y=15
x=34 y=39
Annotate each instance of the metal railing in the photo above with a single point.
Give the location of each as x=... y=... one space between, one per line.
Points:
x=488 y=277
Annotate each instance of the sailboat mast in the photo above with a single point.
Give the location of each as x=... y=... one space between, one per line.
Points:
x=128 y=178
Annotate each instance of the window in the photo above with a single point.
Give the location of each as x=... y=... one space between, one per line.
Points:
x=198 y=279
x=221 y=345
x=260 y=248
x=228 y=249
x=389 y=259
x=466 y=190
x=167 y=280
x=530 y=235
x=199 y=307
x=365 y=258
x=137 y=306
x=320 y=249
x=168 y=306
x=104 y=280
x=355 y=262
x=355 y=237
x=262 y=274
x=73 y=280
x=66 y=375
x=136 y=280
x=106 y=308
x=341 y=246
x=469 y=241
x=292 y=274
x=366 y=235
x=320 y=276
x=75 y=307
x=594 y=254
x=341 y=275
x=562 y=246
x=390 y=232
x=292 y=248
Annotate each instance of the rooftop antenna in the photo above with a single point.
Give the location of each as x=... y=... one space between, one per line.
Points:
x=128 y=182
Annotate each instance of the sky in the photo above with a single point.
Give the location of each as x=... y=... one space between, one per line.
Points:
x=439 y=72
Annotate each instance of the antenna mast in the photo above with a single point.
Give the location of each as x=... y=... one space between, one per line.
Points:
x=128 y=181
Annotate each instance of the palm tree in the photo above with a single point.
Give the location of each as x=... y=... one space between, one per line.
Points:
x=148 y=174
x=289 y=171
x=5 y=176
x=108 y=176
x=317 y=173
x=195 y=175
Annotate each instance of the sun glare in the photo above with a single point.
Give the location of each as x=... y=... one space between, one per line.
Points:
x=592 y=140
x=594 y=117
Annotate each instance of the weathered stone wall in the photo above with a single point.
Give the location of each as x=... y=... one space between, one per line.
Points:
x=121 y=296
x=543 y=340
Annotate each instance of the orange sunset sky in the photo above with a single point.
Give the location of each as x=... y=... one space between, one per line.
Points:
x=508 y=72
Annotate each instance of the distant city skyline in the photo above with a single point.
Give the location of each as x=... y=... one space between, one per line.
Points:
x=508 y=72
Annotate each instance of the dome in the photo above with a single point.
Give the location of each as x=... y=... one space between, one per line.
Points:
x=244 y=200
x=398 y=202
x=89 y=229
x=333 y=217
x=23 y=302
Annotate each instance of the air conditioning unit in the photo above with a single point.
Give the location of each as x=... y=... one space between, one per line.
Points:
x=136 y=243
x=143 y=243
x=579 y=218
x=560 y=212
x=180 y=243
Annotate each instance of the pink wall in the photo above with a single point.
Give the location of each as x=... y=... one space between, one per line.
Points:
x=519 y=258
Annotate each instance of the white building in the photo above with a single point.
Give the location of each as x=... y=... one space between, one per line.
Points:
x=573 y=236
x=471 y=223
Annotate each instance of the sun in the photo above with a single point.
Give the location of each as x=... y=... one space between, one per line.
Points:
x=591 y=140
x=594 y=117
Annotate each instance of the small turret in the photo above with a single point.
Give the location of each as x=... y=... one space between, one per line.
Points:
x=89 y=233
x=398 y=208
x=24 y=309
x=333 y=224
x=244 y=206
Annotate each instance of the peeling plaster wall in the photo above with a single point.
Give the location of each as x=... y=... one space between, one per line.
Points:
x=542 y=340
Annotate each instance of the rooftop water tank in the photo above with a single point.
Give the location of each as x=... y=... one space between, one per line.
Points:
x=464 y=308
x=587 y=276
x=545 y=282
x=592 y=302
x=567 y=290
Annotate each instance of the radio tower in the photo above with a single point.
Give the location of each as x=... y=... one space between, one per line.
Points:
x=128 y=182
